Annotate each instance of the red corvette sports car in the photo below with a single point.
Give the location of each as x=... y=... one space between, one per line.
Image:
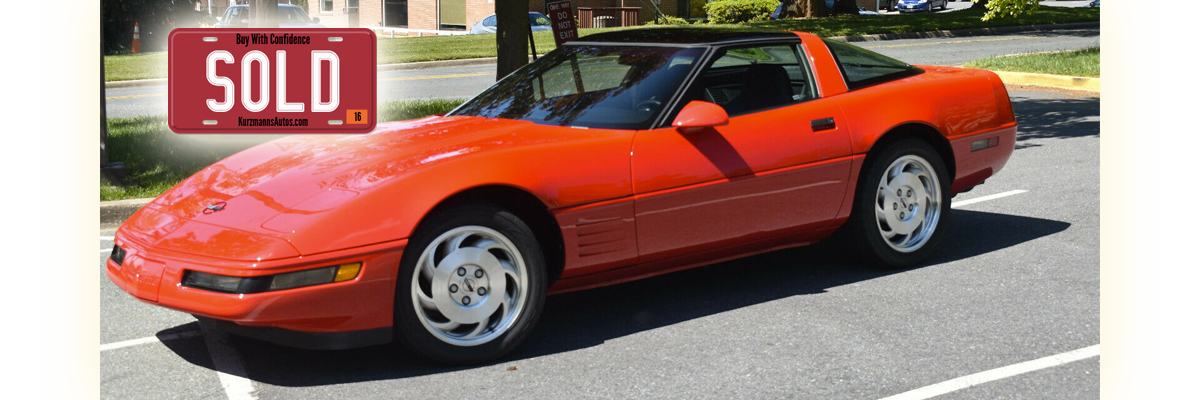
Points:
x=618 y=156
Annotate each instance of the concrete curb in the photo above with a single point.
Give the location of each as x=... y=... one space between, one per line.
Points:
x=135 y=83
x=462 y=62
x=855 y=38
x=465 y=62
x=113 y=213
x=1054 y=81
x=965 y=32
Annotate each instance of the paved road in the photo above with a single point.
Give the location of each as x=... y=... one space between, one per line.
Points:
x=1017 y=279
x=465 y=82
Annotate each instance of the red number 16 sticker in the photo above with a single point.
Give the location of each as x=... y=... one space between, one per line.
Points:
x=271 y=80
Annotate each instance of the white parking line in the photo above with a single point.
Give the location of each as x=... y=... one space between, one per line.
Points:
x=997 y=374
x=105 y=250
x=108 y=238
x=957 y=204
x=228 y=365
x=152 y=339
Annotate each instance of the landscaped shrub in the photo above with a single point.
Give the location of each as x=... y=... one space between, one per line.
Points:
x=738 y=11
x=669 y=20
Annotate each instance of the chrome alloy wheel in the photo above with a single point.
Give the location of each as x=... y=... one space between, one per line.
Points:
x=908 y=203
x=469 y=286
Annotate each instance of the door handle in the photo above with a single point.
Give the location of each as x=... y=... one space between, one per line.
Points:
x=823 y=124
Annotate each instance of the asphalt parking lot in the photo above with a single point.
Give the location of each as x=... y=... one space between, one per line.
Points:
x=1017 y=279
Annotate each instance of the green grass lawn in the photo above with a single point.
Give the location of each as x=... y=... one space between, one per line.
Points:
x=1084 y=62
x=153 y=65
x=125 y=67
x=156 y=158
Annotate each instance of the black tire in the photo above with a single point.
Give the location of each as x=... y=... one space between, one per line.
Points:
x=409 y=329
x=862 y=232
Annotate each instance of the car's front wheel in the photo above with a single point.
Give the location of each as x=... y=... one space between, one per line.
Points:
x=471 y=285
x=901 y=202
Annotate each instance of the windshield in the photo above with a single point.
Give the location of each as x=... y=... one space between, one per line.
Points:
x=287 y=15
x=292 y=15
x=537 y=19
x=612 y=87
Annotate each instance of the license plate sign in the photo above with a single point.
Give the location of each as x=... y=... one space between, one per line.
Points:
x=271 y=80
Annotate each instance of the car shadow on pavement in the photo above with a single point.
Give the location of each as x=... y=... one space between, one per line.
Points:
x=1067 y=117
x=585 y=319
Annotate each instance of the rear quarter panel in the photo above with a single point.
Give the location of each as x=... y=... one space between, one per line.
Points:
x=963 y=105
x=955 y=101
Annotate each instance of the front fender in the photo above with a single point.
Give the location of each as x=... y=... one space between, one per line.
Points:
x=560 y=166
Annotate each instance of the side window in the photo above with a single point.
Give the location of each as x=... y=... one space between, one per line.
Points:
x=490 y=21
x=863 y=68
x=749 y=79
x=236 y=15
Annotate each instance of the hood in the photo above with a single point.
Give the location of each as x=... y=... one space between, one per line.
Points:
x=270 y=189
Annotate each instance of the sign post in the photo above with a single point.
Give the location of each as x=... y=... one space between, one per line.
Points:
x=562 y=21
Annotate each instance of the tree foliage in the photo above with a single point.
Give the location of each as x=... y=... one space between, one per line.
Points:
x=1005 y=8
x=156 y=18
x=738 y=11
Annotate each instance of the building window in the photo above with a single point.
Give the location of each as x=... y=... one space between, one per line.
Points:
x=326 y=6
x=696 y=9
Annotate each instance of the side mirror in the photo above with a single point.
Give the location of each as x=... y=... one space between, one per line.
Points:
x=316 y=20
x=700 y=114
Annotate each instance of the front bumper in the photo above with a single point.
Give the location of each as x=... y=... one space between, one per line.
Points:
x=915 y=7
x=325 y=316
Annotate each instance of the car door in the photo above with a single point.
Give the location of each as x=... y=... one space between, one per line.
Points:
x=780 y=166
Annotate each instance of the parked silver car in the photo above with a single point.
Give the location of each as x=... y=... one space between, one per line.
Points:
x=537 y=22
x=290 y=16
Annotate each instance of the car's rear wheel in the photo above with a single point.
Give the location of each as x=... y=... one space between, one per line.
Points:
x=472 y=283
x=900 y=204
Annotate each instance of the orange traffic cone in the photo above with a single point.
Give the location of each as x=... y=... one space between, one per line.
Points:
x=137 y=40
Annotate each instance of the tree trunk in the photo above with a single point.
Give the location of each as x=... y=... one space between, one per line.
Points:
x=979 y=5
x=103 y=108
x=264 y=13
x=845 y=7
x=512 y=36
x=804 y=8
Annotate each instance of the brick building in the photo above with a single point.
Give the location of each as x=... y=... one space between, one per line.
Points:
x=414 y=14
x=461 y=14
